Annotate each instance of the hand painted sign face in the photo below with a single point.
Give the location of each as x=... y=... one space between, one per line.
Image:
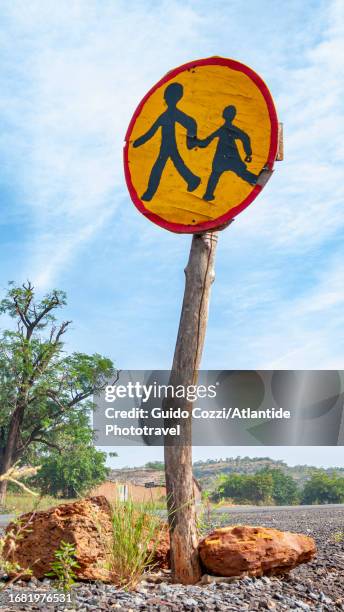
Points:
x=197 y=144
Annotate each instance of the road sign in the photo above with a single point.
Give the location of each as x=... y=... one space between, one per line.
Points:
x=198 y=143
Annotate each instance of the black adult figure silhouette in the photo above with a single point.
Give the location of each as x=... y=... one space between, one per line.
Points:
x=168 y=148
x=227 y=156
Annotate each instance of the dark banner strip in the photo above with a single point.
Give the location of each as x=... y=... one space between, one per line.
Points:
x=227 y=407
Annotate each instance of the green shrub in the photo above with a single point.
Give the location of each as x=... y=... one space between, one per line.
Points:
x=338 y=537
x=64 y=565
x=242 y=488
x=284 y=487
x=323 y=489
x=267 y=486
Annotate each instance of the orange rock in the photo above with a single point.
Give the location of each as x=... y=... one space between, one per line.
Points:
x=161 y=556
x=86 y=524
x=254 y=551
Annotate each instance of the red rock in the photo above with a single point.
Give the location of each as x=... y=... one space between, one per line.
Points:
x=86 y=524
x=161 y=556
x=254 y=551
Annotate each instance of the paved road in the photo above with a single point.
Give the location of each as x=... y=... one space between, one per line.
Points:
x=6 y=518
x=257 y=509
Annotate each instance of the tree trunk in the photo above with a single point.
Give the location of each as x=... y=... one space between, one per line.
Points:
x=3 y=492
x=10 y=450
x=199 y=275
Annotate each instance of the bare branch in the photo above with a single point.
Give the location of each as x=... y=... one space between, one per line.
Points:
x=21 y=314
x=14 y=473
x=47 y=443
x=43 y=360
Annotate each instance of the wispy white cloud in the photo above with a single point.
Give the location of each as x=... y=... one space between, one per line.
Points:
x=303 y=203
x=74 y=72
x=288 y=327
x=282 y=305
x=328 y=292
x=307 y=332
x=82 y=68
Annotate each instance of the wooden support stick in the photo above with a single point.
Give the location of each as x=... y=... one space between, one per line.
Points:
x=280 y=149
x=199 y=276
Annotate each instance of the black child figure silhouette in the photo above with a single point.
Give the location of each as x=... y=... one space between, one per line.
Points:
x=227 y=156
x=168 y=148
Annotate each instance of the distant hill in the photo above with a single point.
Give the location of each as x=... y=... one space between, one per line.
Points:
x=207 y=471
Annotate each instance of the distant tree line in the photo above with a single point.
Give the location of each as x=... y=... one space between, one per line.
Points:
x=238 y=459
x=273 y=486
x=323 y=488
x=155 y=465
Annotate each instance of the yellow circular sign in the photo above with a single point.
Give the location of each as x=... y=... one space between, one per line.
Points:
x=197 y=144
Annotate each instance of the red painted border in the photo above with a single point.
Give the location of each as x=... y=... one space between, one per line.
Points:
x=215 y=223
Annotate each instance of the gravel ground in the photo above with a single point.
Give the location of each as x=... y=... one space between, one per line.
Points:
x=314 y=586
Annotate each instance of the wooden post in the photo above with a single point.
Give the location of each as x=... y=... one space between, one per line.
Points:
x=199 y=275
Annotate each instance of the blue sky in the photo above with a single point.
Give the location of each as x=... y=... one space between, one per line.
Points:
x=71 y=75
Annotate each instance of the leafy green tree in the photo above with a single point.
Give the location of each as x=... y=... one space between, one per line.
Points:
x=255 y=488
x=230 y=486
x=259 y=488
x=72 y=473
x=42 y=390
x=284 y=487
x=76 y=467
x=323 y=489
